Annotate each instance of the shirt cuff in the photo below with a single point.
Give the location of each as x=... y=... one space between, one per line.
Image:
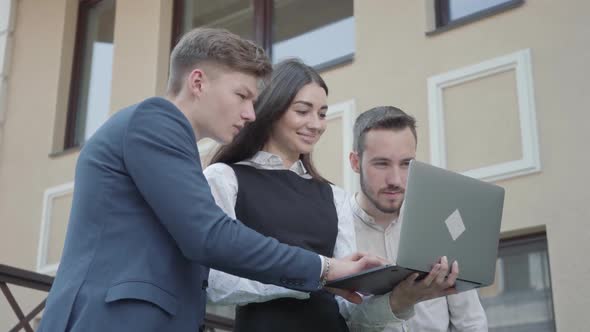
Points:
x=381 y=310
x=405 y=315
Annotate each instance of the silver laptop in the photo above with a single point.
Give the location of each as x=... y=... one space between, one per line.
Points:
x=444 y=214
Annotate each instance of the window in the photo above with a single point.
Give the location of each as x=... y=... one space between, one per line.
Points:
x=235 y=15
x=7 y=8
x=321 y=33
x=318 y=32
x=90 y=87
x=520 y=298
x=452 y=13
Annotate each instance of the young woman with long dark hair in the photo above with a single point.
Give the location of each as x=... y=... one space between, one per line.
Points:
x=267 y=179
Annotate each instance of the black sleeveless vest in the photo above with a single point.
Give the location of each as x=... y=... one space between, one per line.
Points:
x=298 y=212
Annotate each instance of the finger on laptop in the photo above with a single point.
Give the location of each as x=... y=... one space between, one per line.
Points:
x=361 y=254
x=356 y=256
x=431 y=275
x=369 y=262
x=410 y=280
x=444 y=270
x=454 y=274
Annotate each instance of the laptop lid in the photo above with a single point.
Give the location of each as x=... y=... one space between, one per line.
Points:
x=449 y=214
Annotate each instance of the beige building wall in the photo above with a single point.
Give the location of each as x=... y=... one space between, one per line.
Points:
x=7 y=8
x=393 y=61
x=35 y=118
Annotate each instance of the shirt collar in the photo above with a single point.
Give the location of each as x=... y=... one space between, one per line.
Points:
x=365 y=217
x=263 y=159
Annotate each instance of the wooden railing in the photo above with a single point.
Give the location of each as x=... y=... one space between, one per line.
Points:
x=19 y=277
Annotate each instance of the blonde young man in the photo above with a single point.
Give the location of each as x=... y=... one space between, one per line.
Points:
x=384 y=143
x=144 y=229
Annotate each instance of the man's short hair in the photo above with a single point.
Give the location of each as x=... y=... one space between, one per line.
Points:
x=382 y=117
x=218 y=47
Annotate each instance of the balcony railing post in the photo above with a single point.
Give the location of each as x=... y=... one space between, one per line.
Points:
x=15 y=307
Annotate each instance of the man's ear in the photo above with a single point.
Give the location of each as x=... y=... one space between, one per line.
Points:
x=355 y=161
x=195 y=80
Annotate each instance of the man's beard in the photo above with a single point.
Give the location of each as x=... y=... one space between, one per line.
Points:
x=373 y=200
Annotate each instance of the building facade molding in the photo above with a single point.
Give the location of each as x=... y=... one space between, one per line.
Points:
x=346 y=111
x=520 y=63
x=43 y=266
x=7 y=22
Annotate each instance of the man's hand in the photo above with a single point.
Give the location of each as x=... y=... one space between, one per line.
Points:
x=348 y=265
x=435 y=284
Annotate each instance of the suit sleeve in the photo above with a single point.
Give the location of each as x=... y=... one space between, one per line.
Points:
x=161 y=156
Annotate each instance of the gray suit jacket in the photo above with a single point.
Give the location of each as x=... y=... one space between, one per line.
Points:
x=144 y=230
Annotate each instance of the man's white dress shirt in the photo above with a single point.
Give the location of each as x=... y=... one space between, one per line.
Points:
x=459 y=312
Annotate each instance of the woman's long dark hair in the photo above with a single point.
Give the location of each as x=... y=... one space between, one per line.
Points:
x=288 y=77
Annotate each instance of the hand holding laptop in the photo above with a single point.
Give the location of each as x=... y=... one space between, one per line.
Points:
x=436 y=284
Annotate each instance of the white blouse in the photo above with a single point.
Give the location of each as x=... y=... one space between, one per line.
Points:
x=225 y=289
